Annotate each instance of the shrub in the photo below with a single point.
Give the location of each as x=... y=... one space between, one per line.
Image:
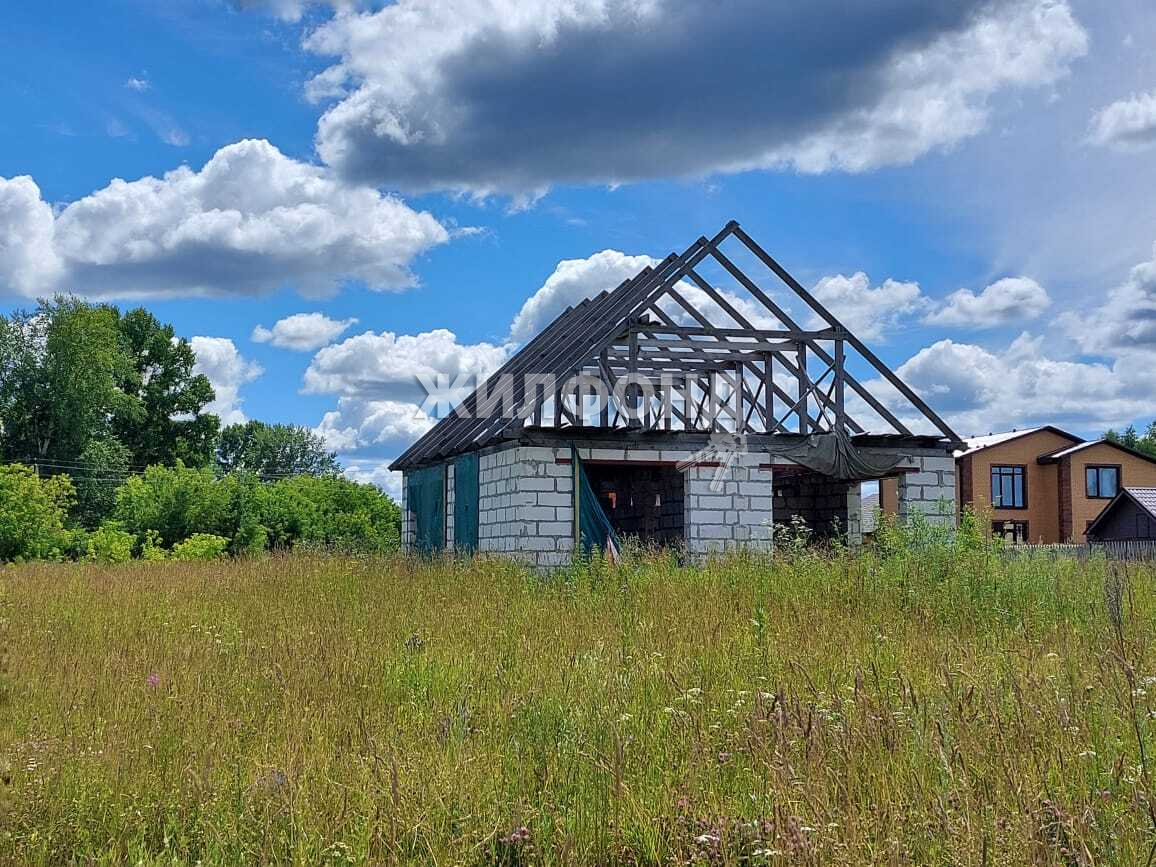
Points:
x=102 y=464
x=333 y=512
x=174 y=502
x=110 y=544
x=200 y=546
x=151 y=548
x=32 y=512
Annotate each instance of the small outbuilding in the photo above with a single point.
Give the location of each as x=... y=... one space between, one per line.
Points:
x=1130 y=517
x=699 y=404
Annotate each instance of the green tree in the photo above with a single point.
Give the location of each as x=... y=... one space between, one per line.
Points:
x=59 y=369
x=101 y=468
x=275 y=450
x=163 y=419
x=32 y=514
x=174 y=502
x=334 y=512
x=1129 y=437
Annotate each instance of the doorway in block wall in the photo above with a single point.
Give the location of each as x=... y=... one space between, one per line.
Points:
x=644 y=501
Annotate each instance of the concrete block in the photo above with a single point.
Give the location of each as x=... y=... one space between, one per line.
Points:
x=714 y=532
x=923 y=479
x=643 y=455
x=555 y=528
x=538 y=484
x=714 y=502
x=553 y=499
x=537 y=513
x=536 y=453
x=607 y=454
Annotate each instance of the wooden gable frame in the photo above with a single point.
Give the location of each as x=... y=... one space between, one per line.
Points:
x=706 y=377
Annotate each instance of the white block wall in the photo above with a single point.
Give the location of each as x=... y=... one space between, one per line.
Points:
x=527 y=501
x=855 y=515
x=729 y=508
x=526 y=507
x=449 y=507
x=407 y=520
x=929 y=490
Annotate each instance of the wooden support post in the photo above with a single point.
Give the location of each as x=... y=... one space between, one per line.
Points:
x=768 y=393
x=632 y=396
x=840 y=391
x=738 y=398
x=804 y=387
x=605 y=409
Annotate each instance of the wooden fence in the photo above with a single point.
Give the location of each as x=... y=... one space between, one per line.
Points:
x=1132 y=550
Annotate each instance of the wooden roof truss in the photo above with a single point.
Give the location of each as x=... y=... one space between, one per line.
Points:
x=583 y=371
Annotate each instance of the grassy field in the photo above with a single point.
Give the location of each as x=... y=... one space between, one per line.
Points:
x=934 y=707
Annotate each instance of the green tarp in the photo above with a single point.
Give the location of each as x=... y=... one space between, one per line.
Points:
x=594 y=527
x=466 y=503
x=426 y=499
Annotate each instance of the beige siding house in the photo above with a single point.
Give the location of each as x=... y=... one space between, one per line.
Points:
x=1042 y=485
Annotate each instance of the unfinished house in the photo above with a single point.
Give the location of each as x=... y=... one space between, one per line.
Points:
x=699 y=404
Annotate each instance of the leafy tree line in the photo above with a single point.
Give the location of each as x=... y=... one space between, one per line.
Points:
x=1145 y=442
x=107 y=451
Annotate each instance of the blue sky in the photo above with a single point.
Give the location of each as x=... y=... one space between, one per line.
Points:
x=969 y=185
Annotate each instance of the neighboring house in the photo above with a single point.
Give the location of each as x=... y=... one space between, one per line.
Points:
x=870 y=520
x=677 y=412
x=1130 y=517
x=1043 y=485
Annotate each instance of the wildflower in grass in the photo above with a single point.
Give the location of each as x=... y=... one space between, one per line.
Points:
x=153 y=680
x=518 y=836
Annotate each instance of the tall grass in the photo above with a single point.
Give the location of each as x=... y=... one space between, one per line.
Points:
x=924 y=703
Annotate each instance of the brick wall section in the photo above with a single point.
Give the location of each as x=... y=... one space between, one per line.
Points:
x=930 y=489
x=526 y=507
x=729 y=510
x=1043 y=493
x=855 y=515
x=1134 y=471
x=820 y=501
x=527 y=502
x=450 y=506
x=407 y=525
x=1064 y=474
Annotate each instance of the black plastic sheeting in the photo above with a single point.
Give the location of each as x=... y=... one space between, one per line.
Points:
x=834 y=455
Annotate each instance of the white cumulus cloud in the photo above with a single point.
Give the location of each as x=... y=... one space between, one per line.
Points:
x=361 y=424
x=28 y=259
x=303 y=332
x=375 y=472
x=377 y=378
x=868 y=312
x=1127 y=124
x=251 y=220
x=433 y=94
x=979 y=390
x=1012 y=299
x=1124 y=322
x=227 y=370
x=573 y=281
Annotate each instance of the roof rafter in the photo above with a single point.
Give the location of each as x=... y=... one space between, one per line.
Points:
x=733 y=370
